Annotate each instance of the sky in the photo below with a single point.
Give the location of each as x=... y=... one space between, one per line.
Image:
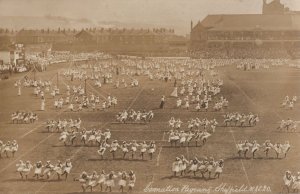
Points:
x=170 y=13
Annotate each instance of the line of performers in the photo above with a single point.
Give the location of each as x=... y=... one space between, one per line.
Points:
x=128 y=148
x=40 y=170
x=62 y=125
x=93 y=103
x=194 y=123
x=107 y=180
x=183 y=166
x=184 y=138
x=291 y=182
x=90 y=137
x=134 y=116
x=8 y=147
x=244 y=147
x=133 y=83
x=235 y=119
x=23 y=117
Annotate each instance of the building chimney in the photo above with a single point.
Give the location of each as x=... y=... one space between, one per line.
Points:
x=191 y=25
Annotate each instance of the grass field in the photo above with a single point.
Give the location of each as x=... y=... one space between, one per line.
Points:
x=257 y=91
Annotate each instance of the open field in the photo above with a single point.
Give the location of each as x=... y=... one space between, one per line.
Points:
x=257 y=91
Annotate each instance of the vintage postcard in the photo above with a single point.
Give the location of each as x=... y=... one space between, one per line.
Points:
x=149 y=96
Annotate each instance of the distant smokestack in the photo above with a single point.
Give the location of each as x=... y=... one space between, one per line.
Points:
x=191 y=25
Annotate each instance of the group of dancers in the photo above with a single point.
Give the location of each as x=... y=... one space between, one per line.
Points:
x=291 y=182
x=40 y=170
x=183 y=167
x=244 y=146
x=184 y=138
x=86 y=137
x=288 y=125
x=235 y=119
x=93 y=103
x=194 y=123
x=134 y=116
x=24 y=117
x=222 y=103
x=62 y=125
x=8 y=147
x=107 y=180
x=289 y=102
x=133 y=83
x=128 y=148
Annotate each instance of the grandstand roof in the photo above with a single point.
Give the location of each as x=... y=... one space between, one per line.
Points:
x=249 y=22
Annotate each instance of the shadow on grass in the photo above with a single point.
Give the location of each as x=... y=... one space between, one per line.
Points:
x=192 y=177
x=118 y=159
x=250 y=158
x=32 y=180
x=62 y=145
x=190 y=146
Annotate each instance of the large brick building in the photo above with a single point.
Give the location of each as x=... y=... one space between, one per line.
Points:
x=126 y=41
x=277 y=25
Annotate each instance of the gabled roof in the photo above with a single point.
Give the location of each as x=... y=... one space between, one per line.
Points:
x=252 y=21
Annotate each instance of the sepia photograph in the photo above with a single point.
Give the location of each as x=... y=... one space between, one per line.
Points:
x=149 y=96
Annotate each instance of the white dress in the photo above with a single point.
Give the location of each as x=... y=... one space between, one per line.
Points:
x=175 y=167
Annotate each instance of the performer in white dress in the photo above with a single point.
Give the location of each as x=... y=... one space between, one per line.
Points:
x=152 y=149
x=144 y=147
x=175 y=166
x=67 y=168
x=255 y=147
x=110 y=181
x=102 y=149
x=27 y=168
x=113 y=148
x=268 y=146
x=122 y=182
x=194 y=166
x=83 y=179
x=20 y=167
x=288 y=180
x=48 y=168
x=296 y=184
x=131 y=182
x=38 y=170
x=286 y=148
x=133 y=149
x=102 y=178
x=219 y=169
x=278 y=149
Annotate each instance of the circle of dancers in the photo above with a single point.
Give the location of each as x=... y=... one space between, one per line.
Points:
x=242 y=120
x=207 y=166
x=243 y=147
x=288 y=102
x=128 y=148
x=194 y=133
x=8 y=147
x=107 y=181
x=41 y=170
x=63 y=125
x=288 y=125
x=135 y=116
x=23 y=117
